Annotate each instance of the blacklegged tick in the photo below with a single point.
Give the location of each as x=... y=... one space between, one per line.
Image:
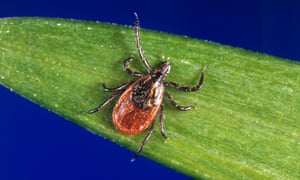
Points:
x=140 y=100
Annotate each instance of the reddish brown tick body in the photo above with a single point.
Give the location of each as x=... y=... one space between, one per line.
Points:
x=131 y=119
x=141 y=100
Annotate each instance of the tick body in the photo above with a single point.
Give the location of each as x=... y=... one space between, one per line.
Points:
x=138 y=105
x=141 y=100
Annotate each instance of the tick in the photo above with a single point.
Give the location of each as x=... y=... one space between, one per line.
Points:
x=142 y=99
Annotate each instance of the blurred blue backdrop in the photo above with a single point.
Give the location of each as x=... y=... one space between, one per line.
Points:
x=37 y=144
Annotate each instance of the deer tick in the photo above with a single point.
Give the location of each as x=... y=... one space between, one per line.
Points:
x=140 y=100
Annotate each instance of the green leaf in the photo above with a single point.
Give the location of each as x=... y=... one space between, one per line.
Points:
x=246 y=118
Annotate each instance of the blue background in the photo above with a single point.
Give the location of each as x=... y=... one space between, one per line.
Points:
x=37 y=144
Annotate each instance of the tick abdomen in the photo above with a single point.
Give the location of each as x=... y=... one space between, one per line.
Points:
x=127 y=116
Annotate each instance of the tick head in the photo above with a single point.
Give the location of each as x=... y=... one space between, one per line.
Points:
x=163 y=69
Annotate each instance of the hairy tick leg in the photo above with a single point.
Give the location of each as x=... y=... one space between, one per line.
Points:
x=119 y=88
x=108 y=100
x=173 y=103
x=129 y=71
x=146 y=139
x=185 y=88
x=161 y=120
x=138 y=44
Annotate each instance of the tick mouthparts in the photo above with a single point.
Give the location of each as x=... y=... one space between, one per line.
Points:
x=164 y=68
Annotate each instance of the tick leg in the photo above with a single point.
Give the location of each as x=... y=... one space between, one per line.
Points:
x=161 y=121
x=138 y=43
x=181 y=108
x=129 y=71
x=118 y=88
x=140 y=148
x=108 y=100
x=187 y=89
